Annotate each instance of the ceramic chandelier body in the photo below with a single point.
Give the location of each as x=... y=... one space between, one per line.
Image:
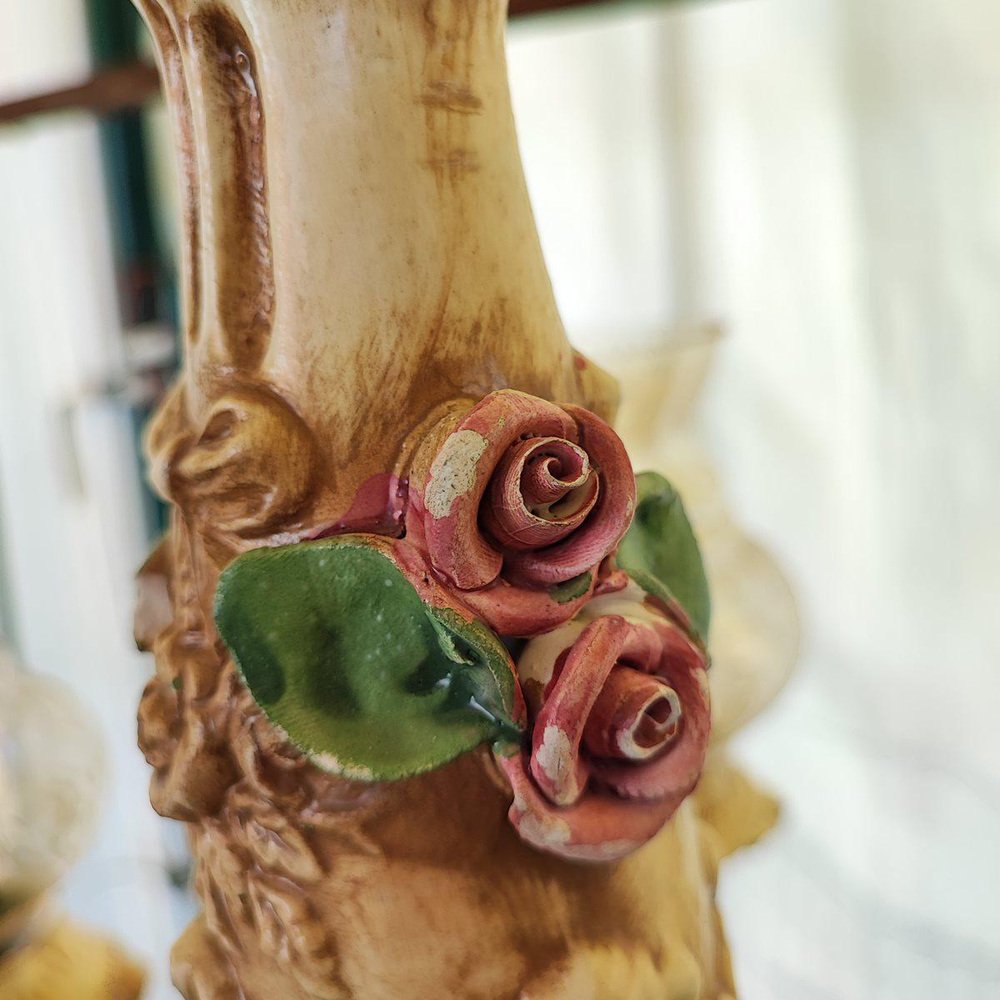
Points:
x=378 y=395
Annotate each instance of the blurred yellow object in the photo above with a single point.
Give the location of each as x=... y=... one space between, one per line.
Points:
x=69 y=963
x=735 y=811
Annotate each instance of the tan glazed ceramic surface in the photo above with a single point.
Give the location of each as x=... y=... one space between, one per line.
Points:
x=360 y=252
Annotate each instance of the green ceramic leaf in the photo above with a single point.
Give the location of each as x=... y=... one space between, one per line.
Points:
x=660 y=551
x=563 y=593
x=340 y=651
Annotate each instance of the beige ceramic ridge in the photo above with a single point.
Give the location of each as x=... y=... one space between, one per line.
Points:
x=359 y=249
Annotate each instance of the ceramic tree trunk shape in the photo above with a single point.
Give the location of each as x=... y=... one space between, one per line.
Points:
x=431 y=716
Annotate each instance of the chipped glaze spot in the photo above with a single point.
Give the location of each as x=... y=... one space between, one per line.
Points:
x=353 y=772
x=538 y=659
x=608 y=850
x=453 y=472
x=555 y=757
x=546 y=832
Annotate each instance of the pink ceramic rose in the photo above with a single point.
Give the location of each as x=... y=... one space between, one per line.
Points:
x=520 y=505
x=620 y=722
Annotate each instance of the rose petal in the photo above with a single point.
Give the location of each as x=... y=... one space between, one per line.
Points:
x=550 y=472
x=675 y=772
x=607 y=522
x=600 y=827
x=520 y=612
x=541 y=492
x=517 y=612
x=636 y=716
x=558 y=730
x=449 y=502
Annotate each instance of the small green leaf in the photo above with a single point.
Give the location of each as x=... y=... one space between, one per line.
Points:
x=660 y=551
x=338 y=648
x=570 y=590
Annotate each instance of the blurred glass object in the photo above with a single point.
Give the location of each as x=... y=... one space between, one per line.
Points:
x=755 y=624
x=51 y=778
x=52 y=774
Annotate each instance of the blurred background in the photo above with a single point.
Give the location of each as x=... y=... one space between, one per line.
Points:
x=788 y=211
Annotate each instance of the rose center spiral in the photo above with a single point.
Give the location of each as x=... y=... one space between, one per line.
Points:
x=636 y=716
x=543 y=490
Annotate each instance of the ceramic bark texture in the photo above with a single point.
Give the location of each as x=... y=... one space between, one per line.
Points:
x=360 y=264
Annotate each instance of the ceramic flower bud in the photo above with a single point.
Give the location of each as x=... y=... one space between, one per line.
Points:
x=620 y=724
x=519 y=506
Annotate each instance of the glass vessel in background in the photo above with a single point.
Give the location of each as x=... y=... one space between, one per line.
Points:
x=52 y=772
x=51 y=777
x=755 y=623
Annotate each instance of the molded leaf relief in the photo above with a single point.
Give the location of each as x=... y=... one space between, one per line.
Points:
x=251 y=466
x=249 y=907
